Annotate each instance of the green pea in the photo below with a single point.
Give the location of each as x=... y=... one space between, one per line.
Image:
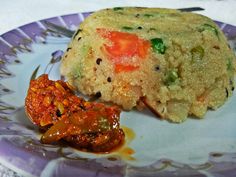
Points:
x=171 y=77
x=197 y=53
x=158 y=45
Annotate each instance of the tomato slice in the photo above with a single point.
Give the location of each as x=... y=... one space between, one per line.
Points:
x=124 y=45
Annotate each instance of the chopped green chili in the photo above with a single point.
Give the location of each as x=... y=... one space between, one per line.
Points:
x=152 y=29
x=118 y=8
x=104 y=124
x=209 y=27
x=127 y=28
x=229 y=64
x=148 y=15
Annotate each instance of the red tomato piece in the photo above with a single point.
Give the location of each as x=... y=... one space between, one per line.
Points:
x=143 y=48
x=124 y=45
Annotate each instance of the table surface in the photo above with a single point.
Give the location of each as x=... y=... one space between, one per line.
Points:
x=14 y=13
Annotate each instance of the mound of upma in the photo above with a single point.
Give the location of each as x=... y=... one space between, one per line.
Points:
x=176 y=63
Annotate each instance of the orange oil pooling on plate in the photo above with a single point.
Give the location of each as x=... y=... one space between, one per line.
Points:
x=129 y=134
x=123 y=48
x=125 y=152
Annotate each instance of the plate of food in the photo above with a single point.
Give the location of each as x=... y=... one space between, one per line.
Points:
x=119 y=92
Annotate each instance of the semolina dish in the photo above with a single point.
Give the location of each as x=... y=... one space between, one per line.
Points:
x=176 y=63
